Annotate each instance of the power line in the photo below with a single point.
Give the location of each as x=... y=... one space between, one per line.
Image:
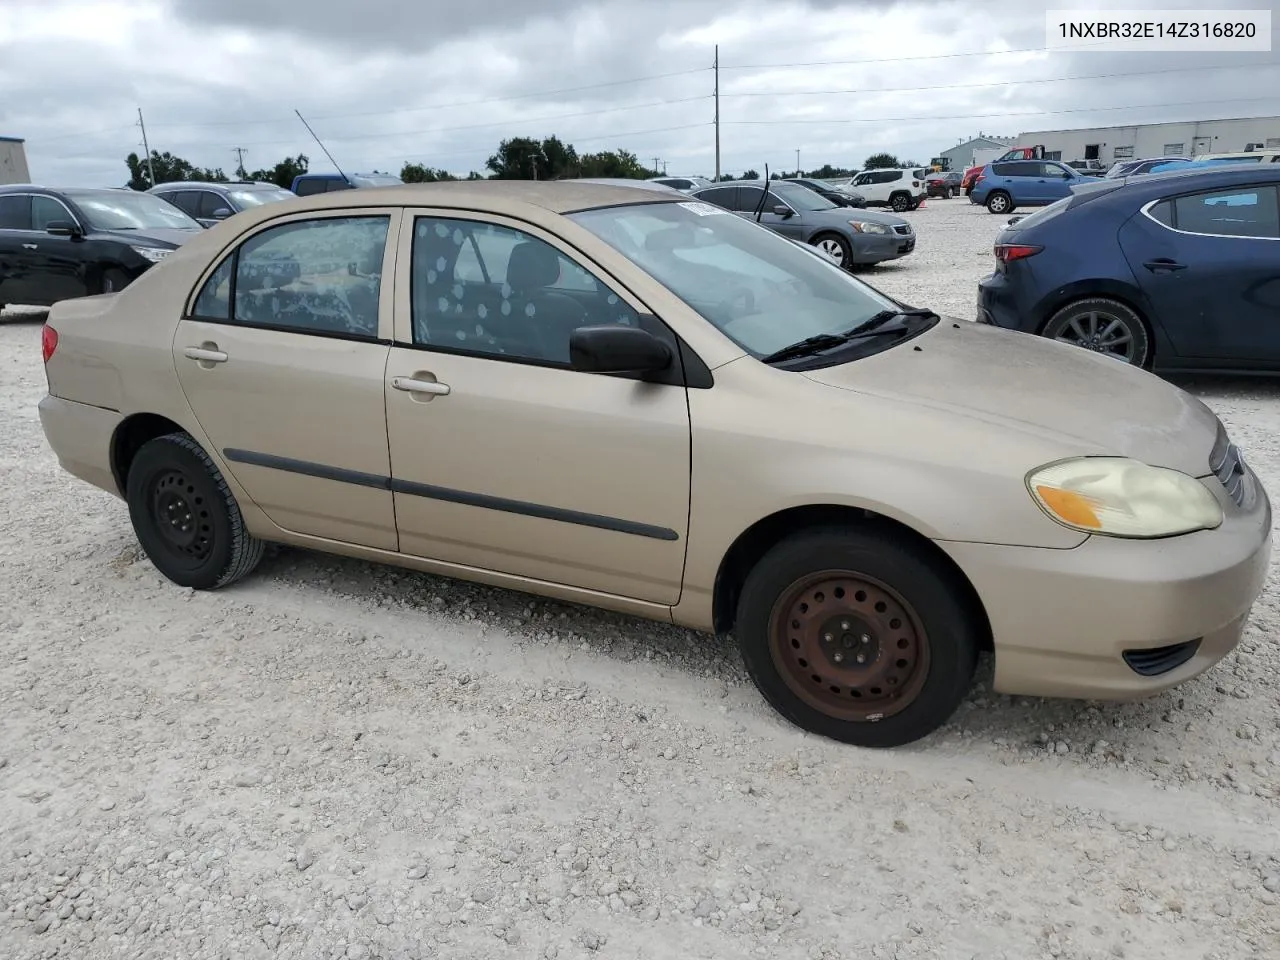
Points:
x=997 y=116
x=994 y=83
x=930 y=56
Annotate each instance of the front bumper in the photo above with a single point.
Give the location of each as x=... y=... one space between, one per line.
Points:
x=80 y=436
x=1062 y=620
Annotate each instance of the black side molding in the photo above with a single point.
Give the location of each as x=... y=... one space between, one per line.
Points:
x=448 y=495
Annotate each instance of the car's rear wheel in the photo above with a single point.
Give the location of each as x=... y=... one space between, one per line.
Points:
x=835 y=247
x=113 y=280
x=946 y=193
x=1105 y=326
x=999 y=202
x=185 y=516
x=900 y=202
x=857 y=634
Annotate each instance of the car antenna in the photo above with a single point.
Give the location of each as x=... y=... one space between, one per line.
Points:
x=325 y=149
x=764 y=194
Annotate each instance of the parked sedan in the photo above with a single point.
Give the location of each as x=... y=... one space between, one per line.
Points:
x=59 y=244
x=712 y=426
x=865 y=238
x=840 y=196
x=210 y=203
x=1170 y=271
x=944 y=185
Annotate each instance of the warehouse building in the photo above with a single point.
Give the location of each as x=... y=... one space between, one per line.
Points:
x=13 y=161
x=981 y=149
x=1192 y=138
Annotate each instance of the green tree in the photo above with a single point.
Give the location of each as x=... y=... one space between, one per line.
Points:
x=417 y=173
x=613 y=163
x=168 y=169
x=882 y=161
x=750 y=175
x=524 y=158
x=828 y=172
x=282 y=173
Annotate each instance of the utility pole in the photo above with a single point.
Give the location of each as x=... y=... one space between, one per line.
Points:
x=656 y=171
x=717 y=72
x=239 y=152
x=151 y=171
x=798 y=161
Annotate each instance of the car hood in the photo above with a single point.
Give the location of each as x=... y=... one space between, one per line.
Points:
x=841 y=216
x=152 y=236
x=1089 y=403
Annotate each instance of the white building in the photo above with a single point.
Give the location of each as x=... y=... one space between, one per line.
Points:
x=13 y=161
x=981 y=149
x=1187 y=139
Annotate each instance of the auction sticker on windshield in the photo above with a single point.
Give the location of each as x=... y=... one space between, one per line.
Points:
x=702 y=209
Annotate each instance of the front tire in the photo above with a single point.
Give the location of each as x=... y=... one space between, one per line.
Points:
x=899 y=202
x=185 y=516
x=857 y=634
x=999 y=202
x=1105 y=326
x=835 y=247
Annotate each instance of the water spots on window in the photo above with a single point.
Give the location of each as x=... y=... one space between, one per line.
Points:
x=443 y=304
x=442 y=230
x=506 y=308
x=441 y=263
x=529 y=310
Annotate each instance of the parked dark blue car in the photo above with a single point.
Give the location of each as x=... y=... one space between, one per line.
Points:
x=1006 y=184
x=1169 y=271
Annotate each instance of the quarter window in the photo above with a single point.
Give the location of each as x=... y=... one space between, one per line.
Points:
x=1248 y=212
x=310 y=276
x=495 y=291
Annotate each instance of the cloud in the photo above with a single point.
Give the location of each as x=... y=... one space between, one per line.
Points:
x=384 y=82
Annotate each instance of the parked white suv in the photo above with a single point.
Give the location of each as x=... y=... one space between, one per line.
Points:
x=899 y=189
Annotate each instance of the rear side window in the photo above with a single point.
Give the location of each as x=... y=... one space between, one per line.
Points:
x=1006 y=169
x=720 y=196
x=1238 y=212
x=309 y=276
x=15 y=213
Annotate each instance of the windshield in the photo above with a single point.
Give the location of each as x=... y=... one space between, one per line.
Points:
x=762 y=291
x=255 y=198
x=127 y=210
x=800 y=198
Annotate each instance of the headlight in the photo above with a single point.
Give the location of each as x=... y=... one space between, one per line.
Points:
x=861 y=226
x=1119 y=497
x=154 y=254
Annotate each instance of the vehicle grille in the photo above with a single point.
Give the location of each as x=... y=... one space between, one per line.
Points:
x=1227 y=464
x=902 y=228
x=1157 y=660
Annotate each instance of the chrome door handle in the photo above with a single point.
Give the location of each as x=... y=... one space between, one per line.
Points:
x=30 y=246
x=204 y=355
x=410 y=385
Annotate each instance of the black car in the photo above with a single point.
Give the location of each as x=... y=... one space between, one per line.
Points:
x=841 y=198
x=944 y=185
x=66 y=243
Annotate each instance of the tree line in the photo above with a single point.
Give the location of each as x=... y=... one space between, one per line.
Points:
x=517 y=158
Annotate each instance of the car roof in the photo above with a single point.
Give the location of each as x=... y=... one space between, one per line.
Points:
x=1226 y=173
x=215 y=184
x=74 y=191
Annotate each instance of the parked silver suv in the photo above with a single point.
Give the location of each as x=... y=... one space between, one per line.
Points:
x=211 y=203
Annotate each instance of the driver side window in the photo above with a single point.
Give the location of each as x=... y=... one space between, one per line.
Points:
x=481 y=288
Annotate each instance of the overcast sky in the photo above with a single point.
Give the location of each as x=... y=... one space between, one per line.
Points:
x=388 y=81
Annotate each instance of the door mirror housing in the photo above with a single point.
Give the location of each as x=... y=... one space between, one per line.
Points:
x=63 y=228
x=613 y=348
x=221 y=213
x=782 y=210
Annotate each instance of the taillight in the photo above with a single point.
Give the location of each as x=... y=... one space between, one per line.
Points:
x=48 y=341
x=1006 y=252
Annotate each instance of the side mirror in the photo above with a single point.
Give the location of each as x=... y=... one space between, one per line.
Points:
x=221 y=213
x=62 y=228
x=782 y=210
x=617 y=349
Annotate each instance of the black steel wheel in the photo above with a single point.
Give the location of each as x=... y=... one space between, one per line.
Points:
x=1105 y=326
x=185 y=516
x=858 y=634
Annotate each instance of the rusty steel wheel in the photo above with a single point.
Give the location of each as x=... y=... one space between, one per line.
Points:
x=865 y=633
x=849 y=646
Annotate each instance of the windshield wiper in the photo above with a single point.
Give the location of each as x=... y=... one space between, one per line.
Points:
x=883 y=317
x=827 y=341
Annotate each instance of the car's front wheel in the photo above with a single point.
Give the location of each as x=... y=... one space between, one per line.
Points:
x=858 y=634
x=1105 y=326
x=185 y=516
x=900 y=202
x=835 y=247
x=999 y=202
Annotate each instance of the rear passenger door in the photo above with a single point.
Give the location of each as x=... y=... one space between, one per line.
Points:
x=281 y=357
x=15 y=224
x=1209 y=265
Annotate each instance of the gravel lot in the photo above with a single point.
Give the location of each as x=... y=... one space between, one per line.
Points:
x=337 y=760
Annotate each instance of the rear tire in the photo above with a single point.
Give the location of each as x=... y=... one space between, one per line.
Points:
x=999 y=202
x=947 y=194
x=185 y=516
x=877 y=619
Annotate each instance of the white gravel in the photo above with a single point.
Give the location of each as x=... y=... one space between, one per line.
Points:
x=337 y=760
